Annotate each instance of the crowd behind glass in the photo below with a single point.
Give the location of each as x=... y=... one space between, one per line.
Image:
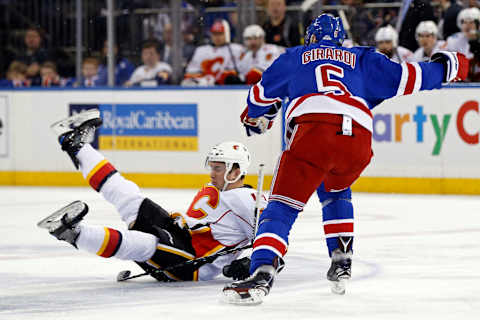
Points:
x=211 y=57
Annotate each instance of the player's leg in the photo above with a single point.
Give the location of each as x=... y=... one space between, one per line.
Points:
x=338 y=226
x=150 y=245
x=294 y=181
x=75 y=134
x=352 y=157
x=64 y=224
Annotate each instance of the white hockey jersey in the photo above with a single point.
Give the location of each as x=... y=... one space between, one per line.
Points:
x=420 y=56
x=254 y=63
x=146 y=76
x=214 y=62
x=219 y=220
x=459 y=42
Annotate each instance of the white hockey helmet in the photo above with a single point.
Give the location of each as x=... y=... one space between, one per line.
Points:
x=426 y=27
x=468 y=14
x=230 y=152
x=221 y=26
x=253 y=31
x=387 y=33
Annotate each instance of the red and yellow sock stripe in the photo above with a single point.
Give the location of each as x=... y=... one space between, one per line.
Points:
x=100 y=174
x=111 y=243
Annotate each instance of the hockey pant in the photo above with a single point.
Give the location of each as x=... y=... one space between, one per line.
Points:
x=316 y=153
x=153 y=240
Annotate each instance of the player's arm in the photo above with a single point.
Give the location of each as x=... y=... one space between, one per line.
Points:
x=265 y=97
x=387 y=79
x=272 y=88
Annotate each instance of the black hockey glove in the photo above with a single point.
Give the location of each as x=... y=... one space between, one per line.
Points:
x=238 y=269
x=454 y=64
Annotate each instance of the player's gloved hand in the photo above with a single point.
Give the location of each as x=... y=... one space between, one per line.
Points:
x=261 y=124
x=238 y=269
x=455 y=65
x=178 y=220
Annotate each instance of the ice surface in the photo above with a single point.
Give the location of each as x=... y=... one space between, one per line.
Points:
x=416 y=257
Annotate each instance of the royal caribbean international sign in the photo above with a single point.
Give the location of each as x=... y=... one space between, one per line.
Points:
x=147 y=127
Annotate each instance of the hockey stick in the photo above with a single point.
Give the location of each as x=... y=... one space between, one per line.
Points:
x=257 y=200
x=125 y=274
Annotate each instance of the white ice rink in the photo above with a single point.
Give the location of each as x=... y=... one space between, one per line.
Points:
x=416 y=257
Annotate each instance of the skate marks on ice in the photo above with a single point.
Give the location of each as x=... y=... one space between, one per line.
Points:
x=415 y=257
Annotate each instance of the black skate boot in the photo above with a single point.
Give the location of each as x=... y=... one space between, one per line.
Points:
x=252 y=290
x=61 y=224
x=75 y=131
x=341 y=268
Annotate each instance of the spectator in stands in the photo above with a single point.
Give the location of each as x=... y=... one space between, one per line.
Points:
x=153 y=72
x=16 y=76
x=34 y=54
x=362 y=22
x=387 y=43
x=280 y=29
x=214 y=63
x=420 y=10
x=89 y=77
x=427 y=38
x=165 y=50
x=208 y=19
x=467 y=21
x=123 y=67
x=468 y=40
x=449 y=11
x=259 y=55
x=50 y=77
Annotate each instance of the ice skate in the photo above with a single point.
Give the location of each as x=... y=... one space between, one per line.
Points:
x=77 y=130
x=61 y=224
x=252 y=290
x=340 y=270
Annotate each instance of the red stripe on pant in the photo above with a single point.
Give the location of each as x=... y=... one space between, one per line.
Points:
x=271 y=242
x=101 y=176
x=338 y=228
x=113 y=244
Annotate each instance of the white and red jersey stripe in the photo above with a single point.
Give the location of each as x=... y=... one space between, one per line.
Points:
x=257 y=97
x=411 y=79
x=352 y=106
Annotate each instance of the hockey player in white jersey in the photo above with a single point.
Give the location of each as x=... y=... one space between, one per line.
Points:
x=427 y=38
x=468 y=21
x=220 y=217
x=214 y=63
x=259 y=55
x=386 y=40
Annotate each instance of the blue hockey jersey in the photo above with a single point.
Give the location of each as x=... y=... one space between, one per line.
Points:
x=328 y=79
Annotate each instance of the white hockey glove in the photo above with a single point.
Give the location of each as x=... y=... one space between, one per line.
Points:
x=261 y=124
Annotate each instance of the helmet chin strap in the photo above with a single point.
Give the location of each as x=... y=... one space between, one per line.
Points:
x=227 y=172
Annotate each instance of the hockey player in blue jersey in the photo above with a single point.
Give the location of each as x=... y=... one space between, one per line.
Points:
x=331 y=91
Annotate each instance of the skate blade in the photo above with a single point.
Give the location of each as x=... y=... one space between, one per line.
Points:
x=338 y=287
x=253 y=298
x=68 y=124
x=74 y=210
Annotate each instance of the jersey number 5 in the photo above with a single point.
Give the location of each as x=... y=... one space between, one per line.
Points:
x=327 y=85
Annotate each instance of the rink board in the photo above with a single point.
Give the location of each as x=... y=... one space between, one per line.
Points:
x=427 y=143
